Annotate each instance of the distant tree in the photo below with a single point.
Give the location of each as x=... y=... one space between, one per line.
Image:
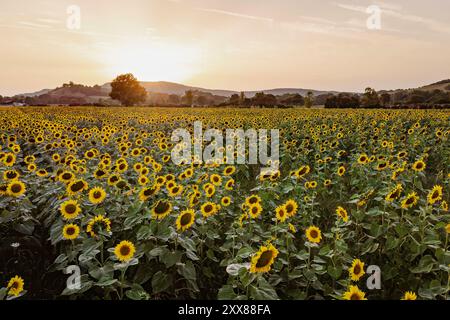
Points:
x=174 y=99
x=370 y=98
x=235 y=99
x=293 y=100
x=309 y=100
x=127 y=89
x=201 y=100
x=242 y=98
x=385 y=99
x=189 y=98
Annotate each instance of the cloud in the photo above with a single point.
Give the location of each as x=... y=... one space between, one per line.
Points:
x=238 y=15
x=33 y=25
x=398 y=13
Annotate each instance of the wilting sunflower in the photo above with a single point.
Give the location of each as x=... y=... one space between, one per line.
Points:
x=148 y=192
x=435 y=195
x=354 y=293
x=356 y=271
x=314 y=234
x=76 y=186
x=97 y=224
x=255 y=210
x=263 y=260
x=209 y=209
x=281 y=213
x=185 y=220
x=15 y=286
x=419 y=166
x=410 y=200
x=71 y=231
x=342 y=213
x=16 y=188
x=409 y=295
x=162 y=209
x=97 y=195
x=70 y=209
x=125 y=251
x=291 y=207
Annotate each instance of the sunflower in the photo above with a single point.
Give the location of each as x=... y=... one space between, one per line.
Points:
x=66 y=176
x=148 y=192
x=342 y=213
x=97 y=224
x=447 y=228
x=97 y=195
x=113 y=179
x=291 y=207
x=292 y=228
x=15 y=286
x=216 y=179
x=185 y=220
x=161 y=210
x=176 y=191
x=410 y=200
x=255 y=210
x=356 y=271
x=209 y=209
x=9 y=159
x=11 y=175
x=444 y=206
x=395 y=193
x=71 y=232
x=314 y=234
x=229 y=185
x=363 y=159
x=228 y=171
x=16 y=188
x=281 y=213
x=341 y=171
x=263 y=260
x=76 y=186
x=419 y=166
x=409 y=295
x=124 y=251
x=253 y=199
x=226 y=201
x=435 y=195
x=70 y=209
x=354 y=294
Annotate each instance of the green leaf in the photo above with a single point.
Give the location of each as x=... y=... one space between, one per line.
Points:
x=160 y=282
x=226 y=293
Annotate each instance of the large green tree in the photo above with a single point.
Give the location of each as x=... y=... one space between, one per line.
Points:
x=127 y=89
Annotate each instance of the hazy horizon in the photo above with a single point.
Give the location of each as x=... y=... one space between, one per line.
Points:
x=239 y=45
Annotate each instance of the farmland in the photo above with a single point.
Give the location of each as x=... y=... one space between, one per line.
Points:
x=96 y=190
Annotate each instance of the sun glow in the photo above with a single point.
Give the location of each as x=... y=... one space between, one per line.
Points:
x=153 y=62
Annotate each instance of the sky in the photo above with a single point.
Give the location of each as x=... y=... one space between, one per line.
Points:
x=343 y=45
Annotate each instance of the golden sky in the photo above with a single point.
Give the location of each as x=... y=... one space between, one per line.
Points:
x=224 y=44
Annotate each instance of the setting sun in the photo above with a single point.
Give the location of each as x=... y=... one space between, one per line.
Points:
x=152 y=61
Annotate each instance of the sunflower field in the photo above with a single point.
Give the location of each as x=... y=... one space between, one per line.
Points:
x=95 y=190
